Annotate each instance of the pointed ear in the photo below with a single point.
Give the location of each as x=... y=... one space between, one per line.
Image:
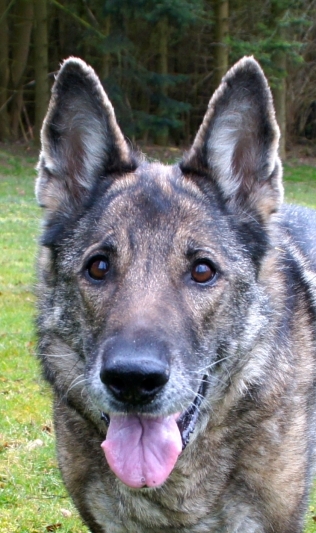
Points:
x=237 y=143
x=81 y=141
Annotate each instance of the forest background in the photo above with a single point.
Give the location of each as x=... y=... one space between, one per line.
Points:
x=159 y=61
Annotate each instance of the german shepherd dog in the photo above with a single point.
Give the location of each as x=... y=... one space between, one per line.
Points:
x=176 y=317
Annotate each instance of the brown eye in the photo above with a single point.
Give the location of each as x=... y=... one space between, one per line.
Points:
x=202 y=272
x=98 y=268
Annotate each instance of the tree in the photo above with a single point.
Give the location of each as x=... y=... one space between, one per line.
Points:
x=269 y=32
x=22 y=25
x=4 y=72
x=158 y=61
x=41 y=64
x=278 y=12
x=221 y=11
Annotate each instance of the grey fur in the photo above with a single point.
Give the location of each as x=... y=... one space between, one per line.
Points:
x=249 y=331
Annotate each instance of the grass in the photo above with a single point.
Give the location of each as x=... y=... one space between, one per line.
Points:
x=32 y=496
x=300 y=185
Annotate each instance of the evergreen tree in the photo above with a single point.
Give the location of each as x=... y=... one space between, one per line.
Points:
x=159 y=61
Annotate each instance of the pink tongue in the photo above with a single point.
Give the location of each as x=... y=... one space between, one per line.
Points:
x=142 y=451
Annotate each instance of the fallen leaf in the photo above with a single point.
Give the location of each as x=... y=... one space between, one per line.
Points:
x=53 y=527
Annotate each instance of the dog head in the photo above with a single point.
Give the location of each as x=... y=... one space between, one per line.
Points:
x=150 y=301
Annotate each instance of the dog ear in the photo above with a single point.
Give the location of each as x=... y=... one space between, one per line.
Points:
x=237 y=143
x=81 y=141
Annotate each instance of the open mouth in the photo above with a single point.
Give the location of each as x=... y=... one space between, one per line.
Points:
x=187 y=420
x=142 y=451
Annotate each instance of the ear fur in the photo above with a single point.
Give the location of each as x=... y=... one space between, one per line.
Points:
x=81 y=141
x=237 y=143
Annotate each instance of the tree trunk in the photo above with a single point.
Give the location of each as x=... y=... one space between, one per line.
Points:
x=23 y=19
x=106 y=59
x=221 y=9
x=41 y=66
x=279 y=61
x=279 y=96
x=163 y=33
x=4 y=73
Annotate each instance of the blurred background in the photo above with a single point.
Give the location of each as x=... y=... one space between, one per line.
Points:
x=159 y=61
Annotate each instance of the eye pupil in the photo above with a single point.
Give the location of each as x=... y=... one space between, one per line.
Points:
x=202 y=272
x=98 y=268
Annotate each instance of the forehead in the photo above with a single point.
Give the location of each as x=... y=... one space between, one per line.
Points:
x=156 y=203
x=156 y=192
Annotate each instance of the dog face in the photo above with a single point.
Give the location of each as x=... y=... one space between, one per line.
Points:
x=151 y=300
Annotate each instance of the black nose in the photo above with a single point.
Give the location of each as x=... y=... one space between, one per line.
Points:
x=135 y=372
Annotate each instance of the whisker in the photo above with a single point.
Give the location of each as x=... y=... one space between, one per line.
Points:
x=211 y=365
x=76 y=381
x=212 y=377
x=75 y=385
x=195 y=393
x=54 y=355
x=77 y=377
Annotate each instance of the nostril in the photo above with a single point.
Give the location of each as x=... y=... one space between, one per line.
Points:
x=116 y=382
x=134 y=381
x=153 y=382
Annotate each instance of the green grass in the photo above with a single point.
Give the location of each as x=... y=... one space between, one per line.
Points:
x=32 y=496
x=300 y=185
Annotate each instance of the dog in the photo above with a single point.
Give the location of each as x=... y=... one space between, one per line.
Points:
x=176 y=317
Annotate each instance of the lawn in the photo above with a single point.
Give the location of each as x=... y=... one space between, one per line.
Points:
x=32 y=497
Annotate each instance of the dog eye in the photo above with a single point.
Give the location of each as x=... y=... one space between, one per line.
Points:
x=97 y=268
x=202 y=272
